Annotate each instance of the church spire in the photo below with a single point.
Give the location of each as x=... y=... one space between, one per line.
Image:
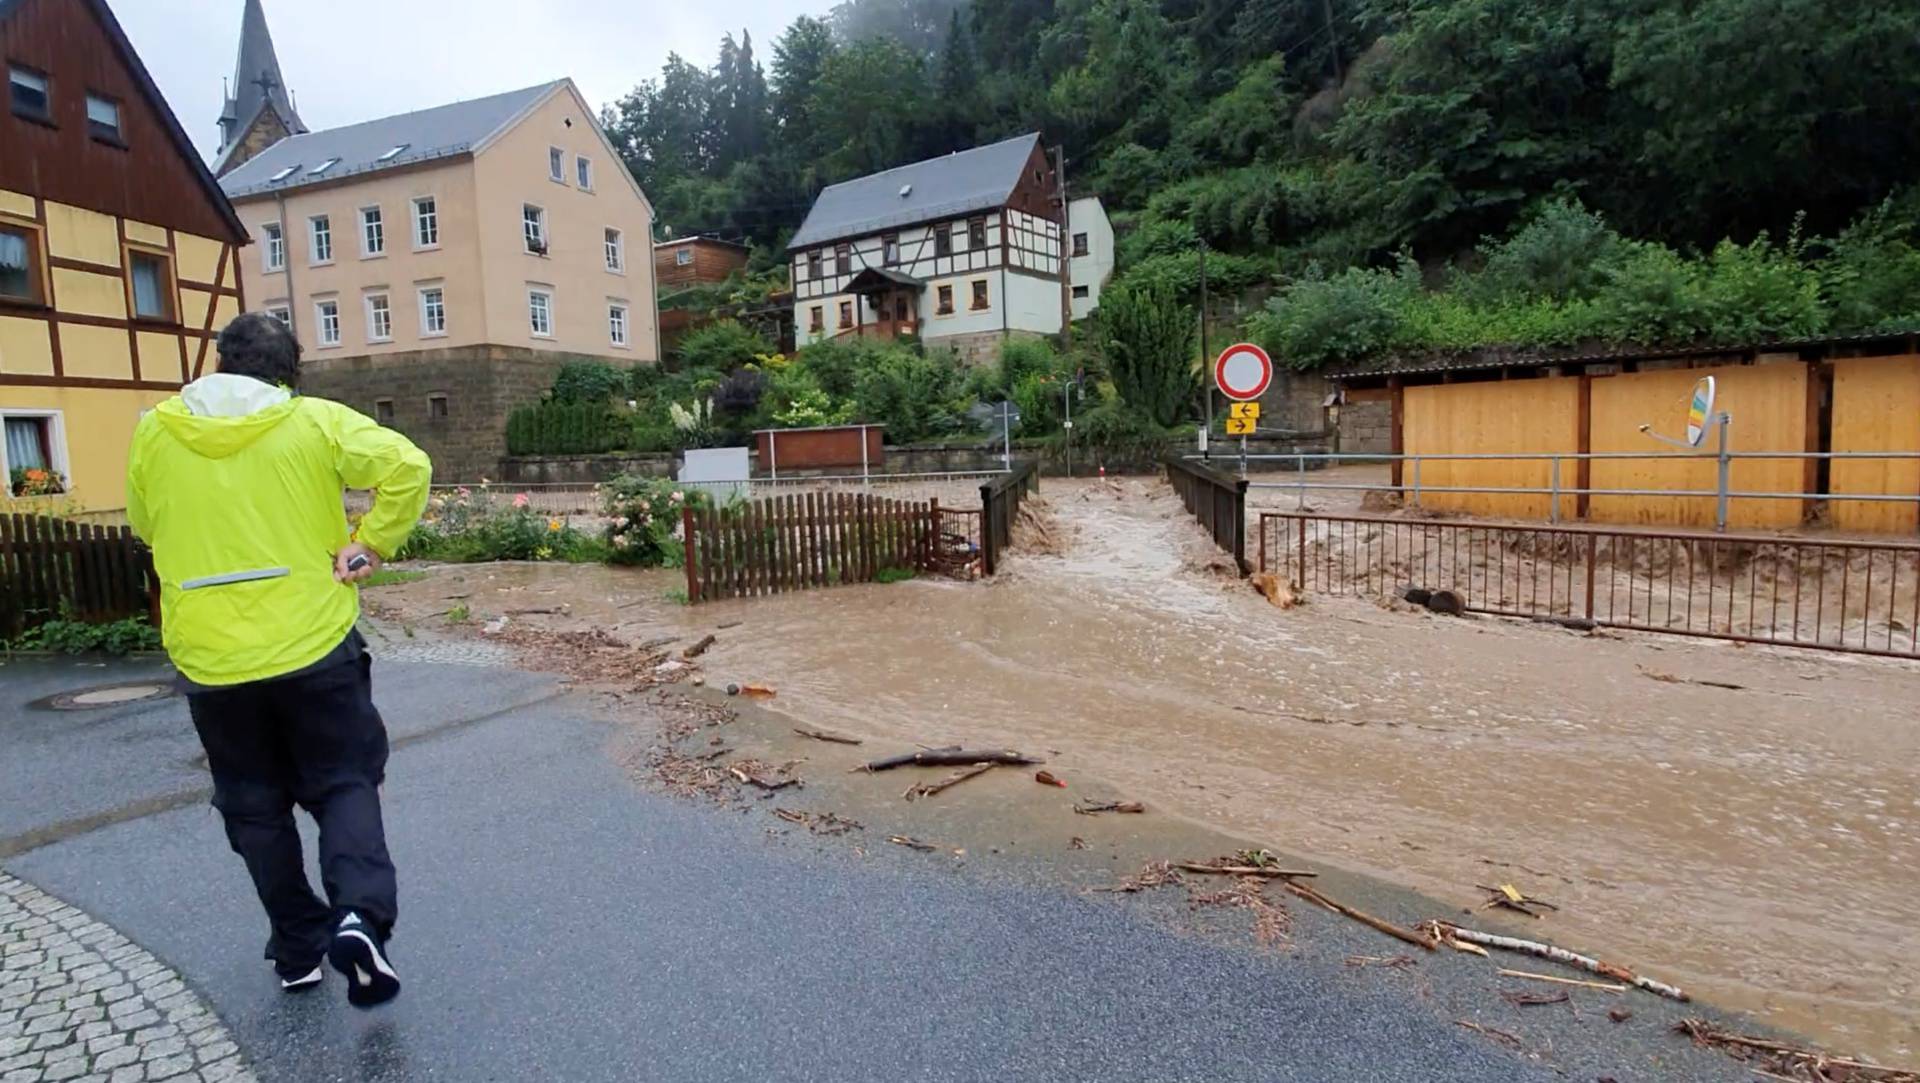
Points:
x=258 y=111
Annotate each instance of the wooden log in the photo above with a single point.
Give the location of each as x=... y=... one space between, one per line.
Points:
x=1243 y=870
x=952 y=756
x=1562 y=955
x=1360 y=916
x=1610 y=987
x=700 y=648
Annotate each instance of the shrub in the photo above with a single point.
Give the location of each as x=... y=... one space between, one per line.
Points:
x=1653 y=295
x=1148 y=337
x=644 y=524
x=1759 y=291
x=473 y=525
x=588 y=382
x=915 y=395
x=1564 y=252
x=79 y=637
x=566 y=428
x=1352 y=314
x=1116 y=432
x=1870 y=277
x=721 y=347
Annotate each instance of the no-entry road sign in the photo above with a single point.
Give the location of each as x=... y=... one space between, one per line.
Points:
x=1242 y=371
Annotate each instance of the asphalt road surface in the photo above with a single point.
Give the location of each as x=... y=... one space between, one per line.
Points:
x=559 y=922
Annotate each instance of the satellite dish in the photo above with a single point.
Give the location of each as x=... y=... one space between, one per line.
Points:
x=1700 y=411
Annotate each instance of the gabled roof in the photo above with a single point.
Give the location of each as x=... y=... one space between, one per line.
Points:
x=144 y=80
x=426 y=134
x=970 y=180
x=257 y=85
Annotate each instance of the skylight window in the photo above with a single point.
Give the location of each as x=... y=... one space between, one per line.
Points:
x=392 y=154
x=284 y=173
x=322 y=167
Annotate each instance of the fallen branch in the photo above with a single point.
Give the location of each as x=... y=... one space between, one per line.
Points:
x=1397 y=962
x=754 y=773
x=951 y=756
x=1511 y=1041
x=699 y=648
x=1151 y=875
x=1090 y=808
x=928 y=789
x=1243 y=870
x=1512 y=898
x=912 y=843
x=1527 y=1000
x=1783 y=1057
x=1562 y=955
x=1607 y=987
x=822 y=823
x=1360 y=916
x=823 y=735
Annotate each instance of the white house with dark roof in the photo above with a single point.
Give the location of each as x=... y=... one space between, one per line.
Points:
x=962 y=251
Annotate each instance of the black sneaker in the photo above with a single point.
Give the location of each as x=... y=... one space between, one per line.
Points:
x=356 y=953
x=300 y=983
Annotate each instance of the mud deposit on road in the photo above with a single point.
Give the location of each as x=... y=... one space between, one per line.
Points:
x=1757 y=846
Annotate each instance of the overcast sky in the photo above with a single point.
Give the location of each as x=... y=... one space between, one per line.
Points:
x=353 y=60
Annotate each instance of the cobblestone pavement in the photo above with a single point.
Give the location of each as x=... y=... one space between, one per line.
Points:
x=79 y=1001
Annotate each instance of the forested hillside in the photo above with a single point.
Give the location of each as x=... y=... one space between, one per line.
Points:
x=1297 y=138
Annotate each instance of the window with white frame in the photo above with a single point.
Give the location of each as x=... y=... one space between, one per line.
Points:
x=150 y=284
x=557 y=164
x=282 y=313
x=373 y=232
x=392 y=152
x=683 y=258
x=34 y=440
x=533 y=226
x=426 y=223
x=326 y=322
x=379 y=318
x=617 y=324
x=320 y=239
x=273 y=248
x=583 y=172
x=540 y=312
x=433 y=311
x=616 y=251
x=323 y=167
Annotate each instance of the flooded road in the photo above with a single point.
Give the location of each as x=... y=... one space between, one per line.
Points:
x=1760 y=846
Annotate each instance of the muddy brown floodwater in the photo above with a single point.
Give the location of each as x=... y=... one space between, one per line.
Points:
x=1760 y=846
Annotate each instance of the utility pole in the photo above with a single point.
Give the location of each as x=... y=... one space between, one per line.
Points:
x=1206 y=387
x=1066 y=247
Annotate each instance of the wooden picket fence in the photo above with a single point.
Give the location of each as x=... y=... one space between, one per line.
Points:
x=51 y=568
x=809 y=540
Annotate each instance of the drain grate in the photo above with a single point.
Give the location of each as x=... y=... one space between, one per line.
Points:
x=104 y=695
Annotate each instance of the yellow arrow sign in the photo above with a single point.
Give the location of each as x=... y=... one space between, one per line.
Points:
x=1250 y=410
x=1239 y=426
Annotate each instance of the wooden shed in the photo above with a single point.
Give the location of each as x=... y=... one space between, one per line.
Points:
x=1858 y=394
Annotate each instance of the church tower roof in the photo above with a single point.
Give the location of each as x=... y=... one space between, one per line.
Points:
x=257 y=88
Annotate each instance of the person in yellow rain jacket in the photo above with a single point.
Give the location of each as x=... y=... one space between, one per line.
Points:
x=236 y=484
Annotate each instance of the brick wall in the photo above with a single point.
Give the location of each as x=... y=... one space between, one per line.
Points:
x=480 y=386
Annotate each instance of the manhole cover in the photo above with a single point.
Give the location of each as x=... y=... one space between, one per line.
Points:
x=106 y=695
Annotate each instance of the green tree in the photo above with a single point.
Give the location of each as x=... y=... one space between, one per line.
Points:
x=872 y=106
x=1149 y=348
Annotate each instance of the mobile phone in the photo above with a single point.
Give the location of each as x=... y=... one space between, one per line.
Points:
x=358 y=561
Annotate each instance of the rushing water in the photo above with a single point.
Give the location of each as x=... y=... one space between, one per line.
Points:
x=1760 y=846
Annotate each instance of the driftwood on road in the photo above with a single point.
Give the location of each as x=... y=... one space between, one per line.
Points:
x=928 y=789
x=952 y=756
x=1562 y=955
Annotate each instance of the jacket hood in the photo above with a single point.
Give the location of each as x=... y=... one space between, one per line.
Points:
x=219 y=414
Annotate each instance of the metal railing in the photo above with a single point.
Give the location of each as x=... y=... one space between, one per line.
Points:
x=1856 y=596
x=1217 y=502
x=1561 y=484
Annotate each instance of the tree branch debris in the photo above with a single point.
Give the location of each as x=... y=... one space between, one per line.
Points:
x=1791 y=1061
x=950 y=756
x=927 y=789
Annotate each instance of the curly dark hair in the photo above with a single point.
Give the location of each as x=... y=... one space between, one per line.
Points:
x=258 y=345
